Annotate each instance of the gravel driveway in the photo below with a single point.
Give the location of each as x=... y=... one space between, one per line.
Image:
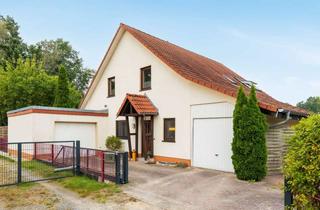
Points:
x=194 y=188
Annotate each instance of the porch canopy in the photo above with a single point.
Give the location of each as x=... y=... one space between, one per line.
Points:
x=135 y=106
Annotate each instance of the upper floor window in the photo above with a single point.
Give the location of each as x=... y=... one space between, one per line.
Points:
x=145 y=78
x=111 y=86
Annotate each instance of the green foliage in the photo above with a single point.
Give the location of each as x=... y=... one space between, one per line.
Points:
x=87 y=187
x=249 y=144
x=62 y=89
x=11 y=44
x=44 y=170
x=302 y=163
x=113 y=143
x=28 y=84
x=51 y=53
x=312 y=104
x=25 y=84
x=54 y=53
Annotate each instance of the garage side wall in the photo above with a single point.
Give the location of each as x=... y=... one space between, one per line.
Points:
x=277 y=147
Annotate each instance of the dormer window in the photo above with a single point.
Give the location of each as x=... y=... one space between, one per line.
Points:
x=145 y=75
x=111 y=86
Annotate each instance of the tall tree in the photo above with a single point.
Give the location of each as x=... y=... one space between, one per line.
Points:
x=257 y=132
x=24 y=84
x=54 y=53
x=62 y=89
x=12 y=46
x=249 y=145
x=312 y=104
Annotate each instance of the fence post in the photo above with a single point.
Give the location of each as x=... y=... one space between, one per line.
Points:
x=288 y=197
x=19 y=163
x=35 y=151
x=52 y=154
x=87 y=159
x=117 y=160
x=77 y=157
x=125 y=167
x=102 y=166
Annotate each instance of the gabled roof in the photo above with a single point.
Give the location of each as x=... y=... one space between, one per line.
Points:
x=141 y=104
x=201 y=70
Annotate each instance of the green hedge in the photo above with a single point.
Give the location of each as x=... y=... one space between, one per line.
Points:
x=302 y=163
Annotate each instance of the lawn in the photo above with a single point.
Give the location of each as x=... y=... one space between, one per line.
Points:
x=87 y=187
x=5 y=158
x=44 y=170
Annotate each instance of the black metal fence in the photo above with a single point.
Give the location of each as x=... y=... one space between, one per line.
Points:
x=36 y=161
x=288 y=196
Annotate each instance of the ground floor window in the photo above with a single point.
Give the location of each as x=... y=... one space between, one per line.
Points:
x=122 y=129
x=169 y=130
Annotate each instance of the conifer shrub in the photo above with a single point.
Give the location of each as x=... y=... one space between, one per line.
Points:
x=249 y=142
x=113 y=143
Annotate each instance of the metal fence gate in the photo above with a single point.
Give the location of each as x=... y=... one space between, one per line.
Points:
x=36 y=161
x=30 y=161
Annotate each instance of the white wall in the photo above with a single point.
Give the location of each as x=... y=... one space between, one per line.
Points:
x=170 y=93
x=20 y=128
x=41 y=127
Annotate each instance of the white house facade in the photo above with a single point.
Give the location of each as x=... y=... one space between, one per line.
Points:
x=199 y=118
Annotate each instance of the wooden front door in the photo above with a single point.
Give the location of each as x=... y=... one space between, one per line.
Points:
x=147 y=137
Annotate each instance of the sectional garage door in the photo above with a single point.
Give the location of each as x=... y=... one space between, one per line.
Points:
x=85 y=132
x=212 y=136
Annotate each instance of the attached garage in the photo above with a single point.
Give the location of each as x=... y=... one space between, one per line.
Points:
x=212 y=136
x=38 y=123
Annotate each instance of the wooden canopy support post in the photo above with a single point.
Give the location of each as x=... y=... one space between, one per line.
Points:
x=129 y=137
x=137 y=135
x=142 y=137
x=152 y=135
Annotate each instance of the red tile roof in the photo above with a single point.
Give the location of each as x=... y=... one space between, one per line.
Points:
x=141 y=104
x=204 y=71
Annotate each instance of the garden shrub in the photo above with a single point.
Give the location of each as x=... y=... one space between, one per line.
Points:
x=249 y=142
x=114 y=143
x=302 y=163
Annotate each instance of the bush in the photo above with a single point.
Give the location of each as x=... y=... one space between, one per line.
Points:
x=249 y=142
x=113 y=143
x=302 y=163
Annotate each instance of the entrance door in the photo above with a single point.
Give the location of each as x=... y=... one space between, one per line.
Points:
x=147 y=137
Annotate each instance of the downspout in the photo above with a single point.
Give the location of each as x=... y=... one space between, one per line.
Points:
x=282 y=122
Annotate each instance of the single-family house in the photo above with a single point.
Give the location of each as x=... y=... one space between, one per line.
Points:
x=170 y=103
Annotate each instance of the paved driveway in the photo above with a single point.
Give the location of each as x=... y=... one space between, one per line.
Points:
x=194 y=188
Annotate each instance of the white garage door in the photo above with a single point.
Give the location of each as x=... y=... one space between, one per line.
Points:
x=212 y=136
x=212 y=143
x=85 y=132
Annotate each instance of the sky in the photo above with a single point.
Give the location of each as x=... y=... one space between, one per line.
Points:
x=273 y=43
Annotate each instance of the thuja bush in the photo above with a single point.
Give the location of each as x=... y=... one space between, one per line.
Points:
x=302 y=163
x=113 y=143
x=249 y=142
